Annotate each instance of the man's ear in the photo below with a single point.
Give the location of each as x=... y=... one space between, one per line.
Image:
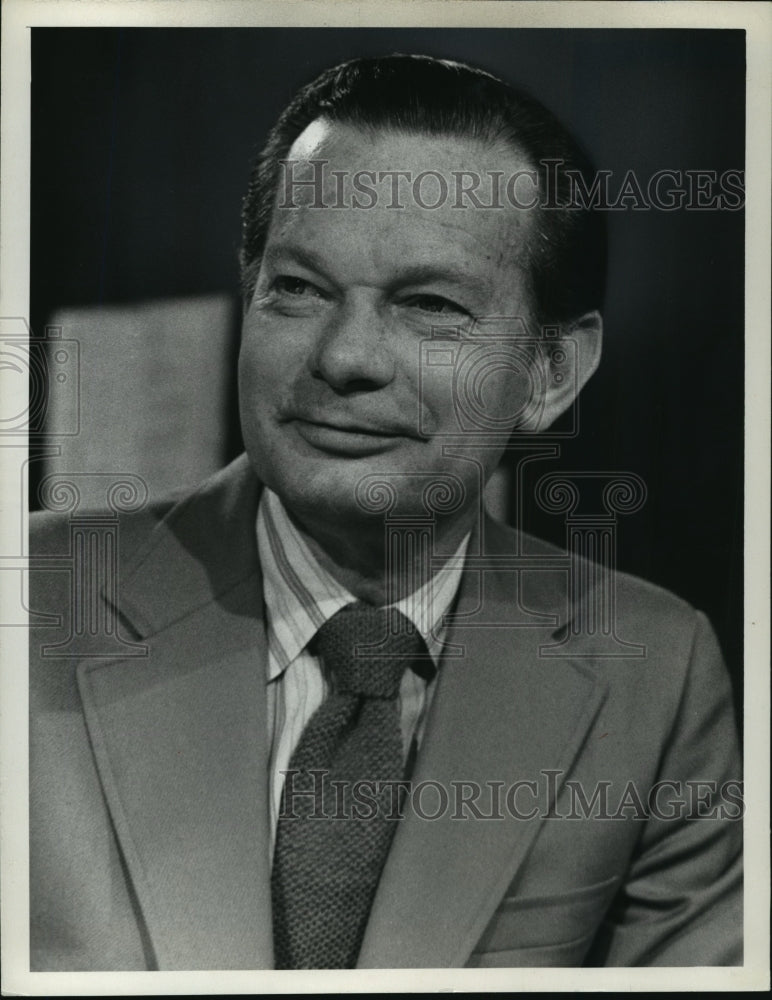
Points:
x=567 y=367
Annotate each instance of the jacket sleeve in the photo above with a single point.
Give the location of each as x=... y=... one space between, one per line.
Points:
x=681 y=903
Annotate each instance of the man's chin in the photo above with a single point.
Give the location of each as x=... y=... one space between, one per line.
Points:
x=354 y=494
x=337 y=495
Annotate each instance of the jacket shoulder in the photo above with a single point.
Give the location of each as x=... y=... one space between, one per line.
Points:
x=634 y=592
x=49 y=530
x=592 y=600
x=631 y=591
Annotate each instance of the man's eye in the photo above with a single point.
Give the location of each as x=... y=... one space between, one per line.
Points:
x=436 y=305
x=286 y=284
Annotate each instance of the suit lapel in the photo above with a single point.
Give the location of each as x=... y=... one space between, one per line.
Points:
x=184 y=728
x=500 y=713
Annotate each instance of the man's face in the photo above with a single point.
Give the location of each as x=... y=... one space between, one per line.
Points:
x=330 y=384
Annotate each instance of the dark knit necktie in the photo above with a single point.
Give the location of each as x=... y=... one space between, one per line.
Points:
x=337 y=818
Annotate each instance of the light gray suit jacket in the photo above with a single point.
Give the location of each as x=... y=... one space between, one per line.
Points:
x=149 y=773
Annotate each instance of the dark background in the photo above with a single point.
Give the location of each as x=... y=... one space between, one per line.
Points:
x=141 y=146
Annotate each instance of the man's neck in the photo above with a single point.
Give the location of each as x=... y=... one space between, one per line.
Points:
x=358 y=558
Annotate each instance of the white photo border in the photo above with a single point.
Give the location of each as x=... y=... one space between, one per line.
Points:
x=18 y=17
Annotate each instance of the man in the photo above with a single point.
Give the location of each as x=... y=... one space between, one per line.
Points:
x=233 y=799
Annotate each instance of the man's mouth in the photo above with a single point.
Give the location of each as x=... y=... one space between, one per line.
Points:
x=352 y=438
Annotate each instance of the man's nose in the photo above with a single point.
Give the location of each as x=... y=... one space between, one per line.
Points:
x=352 y=352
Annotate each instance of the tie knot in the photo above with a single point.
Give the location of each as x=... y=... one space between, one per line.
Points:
x=368 y=649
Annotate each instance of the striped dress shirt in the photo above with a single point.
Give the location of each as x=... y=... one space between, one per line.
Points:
x=300 y=595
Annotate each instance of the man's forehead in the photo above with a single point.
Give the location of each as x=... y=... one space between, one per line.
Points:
x=408 y=189
x=349 y=146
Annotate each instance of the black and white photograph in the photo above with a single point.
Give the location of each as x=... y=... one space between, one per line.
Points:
x=385 y=507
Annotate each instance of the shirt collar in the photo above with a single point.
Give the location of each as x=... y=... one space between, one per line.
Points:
x=300 y=595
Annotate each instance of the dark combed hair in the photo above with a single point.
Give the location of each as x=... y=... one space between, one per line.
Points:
x=427 y=96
